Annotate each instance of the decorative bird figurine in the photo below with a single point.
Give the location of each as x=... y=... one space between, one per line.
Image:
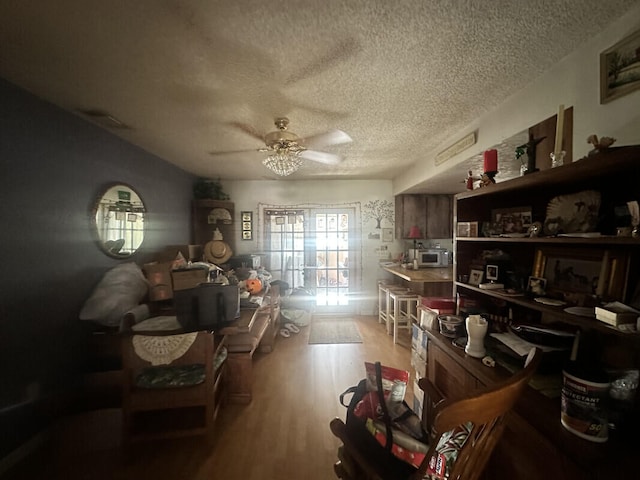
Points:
x=599 y=145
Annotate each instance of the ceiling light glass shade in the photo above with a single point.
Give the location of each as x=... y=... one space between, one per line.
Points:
x=283 y=163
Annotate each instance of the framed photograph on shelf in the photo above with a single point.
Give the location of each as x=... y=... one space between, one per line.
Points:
x=476 y=277
x=492 y=273
x=511 y=221
x=619 y=65
x=536 y=286
x=581 y=273
x=467 y=229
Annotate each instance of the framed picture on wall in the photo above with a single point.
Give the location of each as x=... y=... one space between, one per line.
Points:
x=247 y=225
x=619 y=67
x=387 y=234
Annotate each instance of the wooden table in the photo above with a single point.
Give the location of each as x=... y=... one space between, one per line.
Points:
x=431 y=282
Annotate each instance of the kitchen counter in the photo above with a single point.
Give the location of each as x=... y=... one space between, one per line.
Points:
x=422 y=275
x=429 y=282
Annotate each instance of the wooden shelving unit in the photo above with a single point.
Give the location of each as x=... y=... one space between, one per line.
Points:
x=534 y=431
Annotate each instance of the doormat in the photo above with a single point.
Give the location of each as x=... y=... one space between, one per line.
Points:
x=343 y=330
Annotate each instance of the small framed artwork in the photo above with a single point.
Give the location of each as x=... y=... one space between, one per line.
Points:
x=387 y=234
x=247 y=225
x=537 y=286
x=467 y=229
x=618 y=68
x=476 y=277
x=492 y=273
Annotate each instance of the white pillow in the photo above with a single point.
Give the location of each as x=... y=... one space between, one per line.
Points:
x=121 y=289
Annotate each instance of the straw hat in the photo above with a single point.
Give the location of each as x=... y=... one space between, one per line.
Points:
x=217 y=251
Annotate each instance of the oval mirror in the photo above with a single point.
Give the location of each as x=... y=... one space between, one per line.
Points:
x=119 y=216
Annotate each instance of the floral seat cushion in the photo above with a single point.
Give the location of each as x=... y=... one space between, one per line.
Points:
x=168 y=376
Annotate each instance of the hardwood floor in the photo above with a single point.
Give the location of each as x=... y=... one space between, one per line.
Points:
x=283 y=434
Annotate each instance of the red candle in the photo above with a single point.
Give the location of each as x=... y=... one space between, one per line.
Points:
x=491 y=160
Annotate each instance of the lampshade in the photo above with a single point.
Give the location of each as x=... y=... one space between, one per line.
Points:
x=414 y=232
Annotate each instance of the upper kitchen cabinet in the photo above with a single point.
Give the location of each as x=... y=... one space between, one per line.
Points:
x=433 y=214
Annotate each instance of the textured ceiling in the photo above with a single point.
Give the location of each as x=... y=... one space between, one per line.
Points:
x=193 y=77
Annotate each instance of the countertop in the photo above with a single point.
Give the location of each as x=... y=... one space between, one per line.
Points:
x=422 y=275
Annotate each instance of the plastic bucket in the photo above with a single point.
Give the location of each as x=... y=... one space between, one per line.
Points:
x=450 y=325
x=583 y=410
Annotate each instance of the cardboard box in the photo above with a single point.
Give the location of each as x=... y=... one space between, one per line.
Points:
x=158 y=275
x=422 y=348
x=616 y=313
x=418 y=399
x=185 y=278
x=419 y=342
x=428 y=318
x=419 y=364
x=189 y=252
x=415 y=337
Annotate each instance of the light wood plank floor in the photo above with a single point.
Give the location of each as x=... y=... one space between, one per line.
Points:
x=283 y=434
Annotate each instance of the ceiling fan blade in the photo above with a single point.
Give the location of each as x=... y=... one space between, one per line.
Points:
x=322 y=157
x=248 y=129
x=234 y=152
x=332 y=137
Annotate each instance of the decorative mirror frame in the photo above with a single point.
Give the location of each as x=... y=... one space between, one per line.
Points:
x=131 y=211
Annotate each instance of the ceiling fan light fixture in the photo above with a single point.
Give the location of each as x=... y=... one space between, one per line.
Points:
x=283 y=162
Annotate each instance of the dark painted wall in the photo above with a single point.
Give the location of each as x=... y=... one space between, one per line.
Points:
x=53 y=165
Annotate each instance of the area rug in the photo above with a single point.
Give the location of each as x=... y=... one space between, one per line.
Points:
x=334 y=330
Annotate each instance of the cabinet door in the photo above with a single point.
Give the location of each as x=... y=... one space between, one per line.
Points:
x=450 y=379
x=432 y=214
x=410 y=211
x=439 y=216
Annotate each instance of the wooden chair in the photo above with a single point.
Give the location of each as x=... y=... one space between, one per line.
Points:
x=485 y=409
x=189 y=389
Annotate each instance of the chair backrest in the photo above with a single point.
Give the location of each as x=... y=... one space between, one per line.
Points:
x=485 y=409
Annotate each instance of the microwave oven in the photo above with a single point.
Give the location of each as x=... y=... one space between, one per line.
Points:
x=430 y=257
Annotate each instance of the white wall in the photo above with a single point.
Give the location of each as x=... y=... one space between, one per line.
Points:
x=246 y=196
x=574 y=81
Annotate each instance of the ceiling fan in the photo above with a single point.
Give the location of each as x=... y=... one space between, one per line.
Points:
x=286 y=149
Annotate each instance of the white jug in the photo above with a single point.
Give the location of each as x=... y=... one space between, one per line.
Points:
x=476 y=331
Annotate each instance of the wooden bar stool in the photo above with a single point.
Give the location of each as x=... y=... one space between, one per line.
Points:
x=384 y=303
x=405 y=311
x=383 y=299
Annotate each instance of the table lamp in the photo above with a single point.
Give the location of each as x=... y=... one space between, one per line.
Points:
x=414 y=234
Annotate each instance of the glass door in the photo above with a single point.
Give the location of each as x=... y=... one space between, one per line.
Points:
x=313 y=249
x=328 y=254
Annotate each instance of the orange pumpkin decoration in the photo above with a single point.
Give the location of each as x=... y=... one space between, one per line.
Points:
x=254 y=286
